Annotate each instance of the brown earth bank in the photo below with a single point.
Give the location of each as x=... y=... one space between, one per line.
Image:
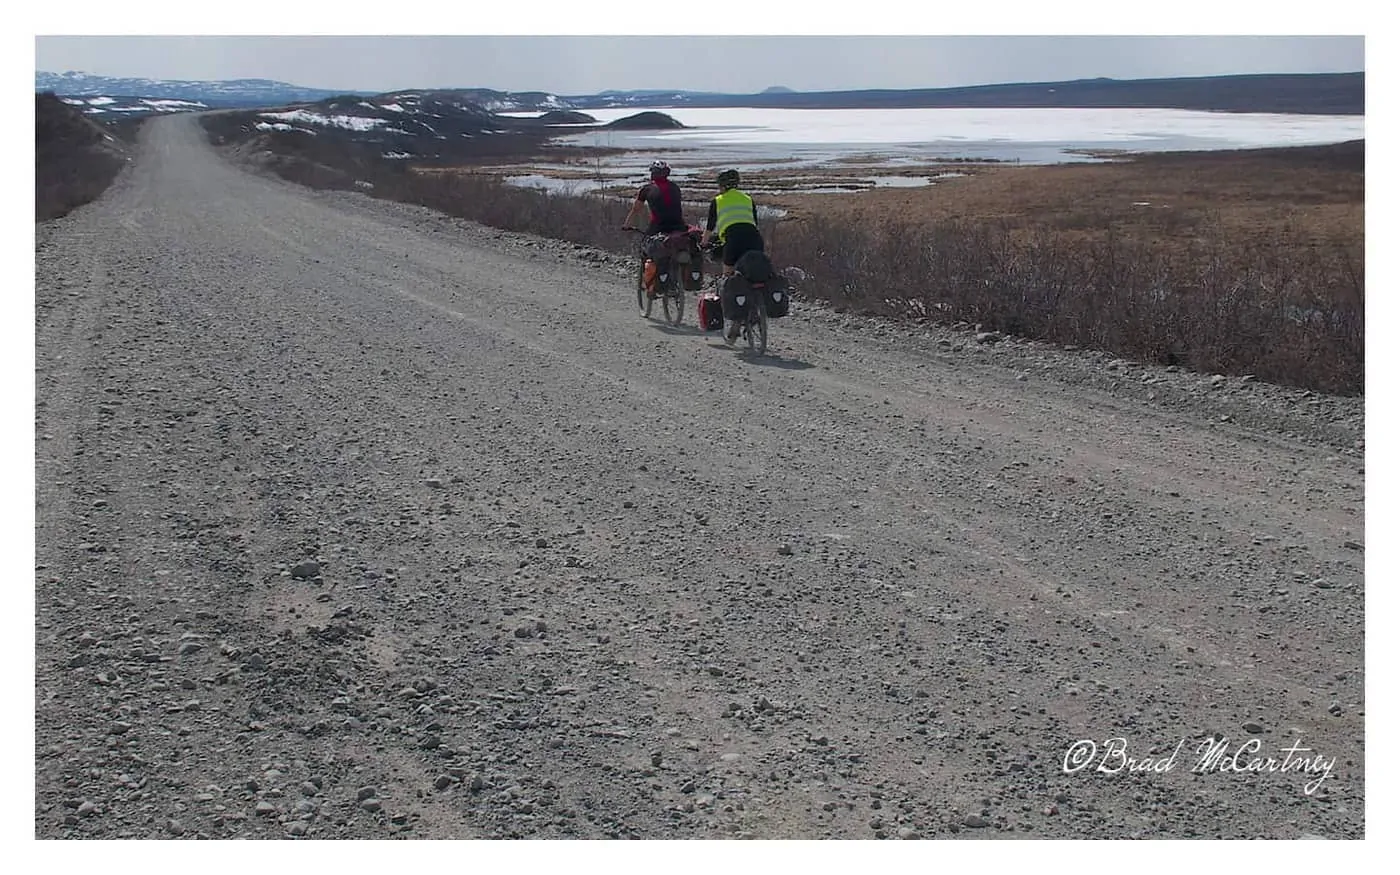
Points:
x=357 y=520
x=75 y=159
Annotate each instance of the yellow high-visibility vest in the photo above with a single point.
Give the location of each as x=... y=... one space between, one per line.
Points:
x=732 y=207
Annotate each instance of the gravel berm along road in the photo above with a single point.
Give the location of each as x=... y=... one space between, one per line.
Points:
x=357 y=521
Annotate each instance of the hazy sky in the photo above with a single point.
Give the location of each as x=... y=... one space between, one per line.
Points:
x=588 y=64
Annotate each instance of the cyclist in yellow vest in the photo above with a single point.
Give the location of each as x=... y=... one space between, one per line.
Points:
x=733 y=220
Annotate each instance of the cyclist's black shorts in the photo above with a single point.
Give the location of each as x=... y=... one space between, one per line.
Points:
x=739 y=239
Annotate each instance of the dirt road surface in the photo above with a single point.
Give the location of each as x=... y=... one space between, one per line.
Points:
x=357 y=521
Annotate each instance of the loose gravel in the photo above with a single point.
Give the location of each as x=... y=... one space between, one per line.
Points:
x=357 y=521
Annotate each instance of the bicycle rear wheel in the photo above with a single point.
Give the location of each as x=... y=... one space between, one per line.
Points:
x=756 y=325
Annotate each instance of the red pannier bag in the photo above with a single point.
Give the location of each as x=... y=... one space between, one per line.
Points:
x=710 y=312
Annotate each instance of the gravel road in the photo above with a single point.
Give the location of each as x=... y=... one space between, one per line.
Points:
x=358 y=521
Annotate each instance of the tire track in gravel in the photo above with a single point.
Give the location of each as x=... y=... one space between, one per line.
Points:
x=551 y=599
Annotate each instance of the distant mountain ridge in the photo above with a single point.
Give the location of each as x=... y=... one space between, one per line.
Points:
x=1309 y=93
x=231 y=92
x=1313 y=93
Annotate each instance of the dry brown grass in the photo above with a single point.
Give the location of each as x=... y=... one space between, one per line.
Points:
x=1237 y=262
x=1316 y=193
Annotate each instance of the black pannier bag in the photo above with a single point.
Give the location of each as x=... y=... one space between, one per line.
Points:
x=777 y=296
x=754 y=271
x=681 y=249
x=731 y=289
x=754 y=266
x=656 y=248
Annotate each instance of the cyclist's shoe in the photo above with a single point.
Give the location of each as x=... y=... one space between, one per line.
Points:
x=732 y=334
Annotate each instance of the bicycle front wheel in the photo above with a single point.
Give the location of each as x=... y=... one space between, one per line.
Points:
x=673 y=304
x=762 y=327
x=643 y=302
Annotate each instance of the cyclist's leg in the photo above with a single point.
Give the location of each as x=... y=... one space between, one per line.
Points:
x=740 y=239
x=728 y=256
x=743 y=238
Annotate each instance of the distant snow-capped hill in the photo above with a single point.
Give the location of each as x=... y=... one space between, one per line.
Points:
x=510 y=101
x=267 y=92
x=232 y=92
x=415 y=113
x=388 y=117
x=414 y=124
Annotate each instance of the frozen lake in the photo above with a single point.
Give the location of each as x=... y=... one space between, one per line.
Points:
x=1005 y=134
x=880 y=142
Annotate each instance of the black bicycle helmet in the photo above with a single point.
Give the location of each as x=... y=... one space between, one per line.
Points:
x=660 y=169
x=728 y=179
